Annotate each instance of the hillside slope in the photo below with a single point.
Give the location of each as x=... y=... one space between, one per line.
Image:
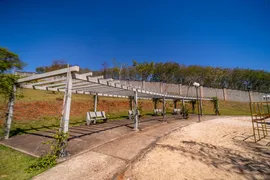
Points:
x=40 y=109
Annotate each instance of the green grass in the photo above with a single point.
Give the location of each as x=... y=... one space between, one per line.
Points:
x=225 y=107
x=29 y=95
x=14 y=164
x=50 y=122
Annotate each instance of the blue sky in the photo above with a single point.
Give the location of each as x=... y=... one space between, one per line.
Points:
x=224 y=33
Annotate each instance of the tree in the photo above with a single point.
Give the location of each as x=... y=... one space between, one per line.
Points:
x=144 y=69
x=41 y=69
x=117 y=69
x=84 y=70
x=9 y=60
x=172 y=72
x=104 y=69
x=56 y=64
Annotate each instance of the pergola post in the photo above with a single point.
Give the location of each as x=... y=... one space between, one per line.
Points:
x=198 y=103
x=95 y=103
x=136 y=118
x=201 y=105
x=183 y=102
x=175 y=104
x=164 y=108
x=10 y=112
x=66 y=113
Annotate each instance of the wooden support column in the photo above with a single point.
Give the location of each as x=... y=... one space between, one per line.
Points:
x=164 y=108
x=95 y=103
x=9 y=115
x=143 y=84
x=224 y=94
x=199 y=116
x=180 y=89
x=66 y=112
x=183 y=102
x=161 y=87
x=136 y=118
x=201 y=96
x=201 y=106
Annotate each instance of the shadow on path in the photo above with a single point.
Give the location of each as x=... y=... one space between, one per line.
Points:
x=256 y=162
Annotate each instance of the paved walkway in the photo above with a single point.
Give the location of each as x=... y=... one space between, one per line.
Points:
x=108 y=159
x=81 y=137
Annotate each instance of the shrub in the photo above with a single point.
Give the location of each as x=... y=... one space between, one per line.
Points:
x=58 y=146
x=215 y=102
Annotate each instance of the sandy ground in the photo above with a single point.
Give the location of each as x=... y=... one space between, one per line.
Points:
x=222 y=148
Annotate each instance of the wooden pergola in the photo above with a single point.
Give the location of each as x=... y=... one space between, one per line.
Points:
x=68 y=80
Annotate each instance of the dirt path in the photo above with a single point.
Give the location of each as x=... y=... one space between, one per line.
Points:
x=218 y=149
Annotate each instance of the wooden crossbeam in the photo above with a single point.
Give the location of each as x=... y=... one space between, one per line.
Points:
x=49 y=74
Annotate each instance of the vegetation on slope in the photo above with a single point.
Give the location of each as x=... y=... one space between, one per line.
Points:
x=37 y=110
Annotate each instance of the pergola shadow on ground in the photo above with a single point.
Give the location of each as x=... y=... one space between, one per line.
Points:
x=69 y=81
x=83 y=137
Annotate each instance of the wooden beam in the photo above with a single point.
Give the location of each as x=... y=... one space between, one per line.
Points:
x=87 y=74
x=136 y=118
x=48 y=82
x=49 y=74
x=95 y=102
x=86 y=86
x=58 y=85
x=164 y=108
x=67 y=104
x=86 y=78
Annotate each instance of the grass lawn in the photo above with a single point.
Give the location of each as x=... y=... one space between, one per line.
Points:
x=14 y=164
x=51 y=122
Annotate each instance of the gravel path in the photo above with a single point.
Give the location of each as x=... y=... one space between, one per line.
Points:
x=222 y=148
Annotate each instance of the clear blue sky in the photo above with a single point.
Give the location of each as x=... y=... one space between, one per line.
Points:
x=226 y=33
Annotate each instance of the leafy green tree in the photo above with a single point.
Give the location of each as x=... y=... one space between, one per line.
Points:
x=215 y=77
x=117 y=69
x=9 y=62
x=144 y=69
x=56 y=64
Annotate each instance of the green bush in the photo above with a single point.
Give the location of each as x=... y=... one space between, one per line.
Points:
x=58 y=146
x=215 y=102
x=185 y=112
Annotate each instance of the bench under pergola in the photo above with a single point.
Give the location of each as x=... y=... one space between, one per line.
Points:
x=68 y=80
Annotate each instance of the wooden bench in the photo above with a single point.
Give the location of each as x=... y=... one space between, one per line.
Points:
x=94 y=116
x=176 y=111
x=158 y=112
x=131 y=114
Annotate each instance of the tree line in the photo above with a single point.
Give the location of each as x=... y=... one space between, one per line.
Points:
x=167 y=72
x=173 y=72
